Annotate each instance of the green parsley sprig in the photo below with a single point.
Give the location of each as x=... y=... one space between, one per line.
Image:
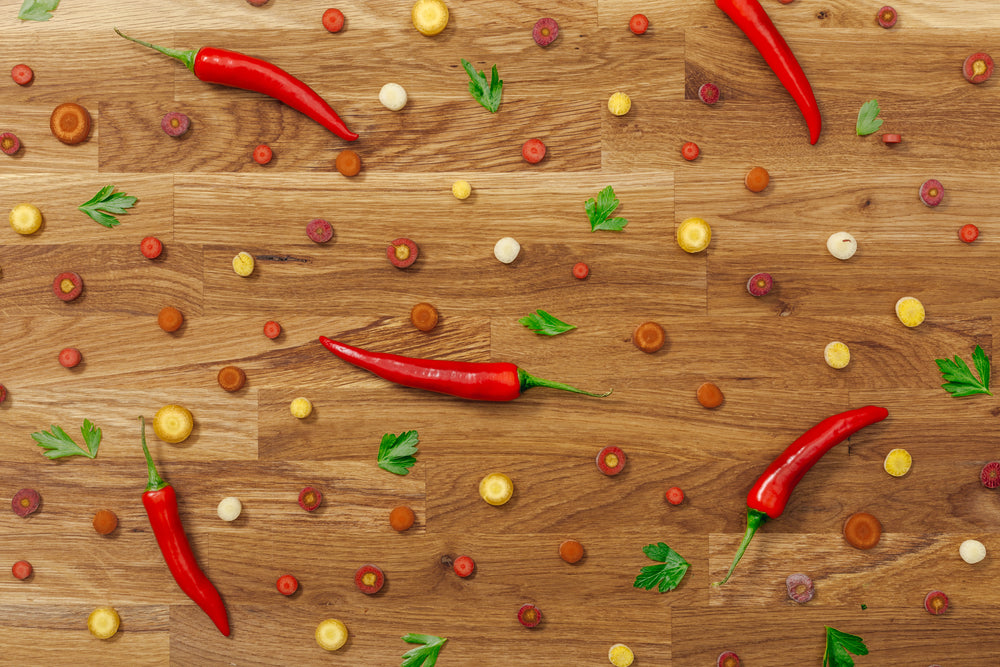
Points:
x=395 y=453
x=104 y=203
x=839 y=646
x=58 y=444
x=667 y=575
x=960 y=379
x=37 y=10
x=422 y=656
x=868 y=120
x=544 y=324
x=599 y=211
x=486 y=92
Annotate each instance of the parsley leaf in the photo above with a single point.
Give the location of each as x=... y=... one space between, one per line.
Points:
x=105 y=202
x=487 y=93
x=395 y=453
x=838 y=647
x=868 y=120
x=667 y=575
x=544 y=324
x=37 y=10
x=58 y=444
x=960 y=379
x=422 y=656
x=600 y=211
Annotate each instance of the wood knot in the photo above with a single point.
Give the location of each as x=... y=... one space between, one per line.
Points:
x=784 y=309
x=995 y=412
x=822 y=14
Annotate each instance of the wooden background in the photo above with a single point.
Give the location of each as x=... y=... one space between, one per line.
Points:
x=207 y=200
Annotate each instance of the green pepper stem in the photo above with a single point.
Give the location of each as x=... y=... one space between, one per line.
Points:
x=155 y=481
x=754 y=520
x=528 y=381
x=186 y=57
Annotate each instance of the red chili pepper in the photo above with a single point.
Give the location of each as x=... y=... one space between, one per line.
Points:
x=750 y=17
x=236 y=70
x=160 y=502
x=769 y=495
x=465 y=379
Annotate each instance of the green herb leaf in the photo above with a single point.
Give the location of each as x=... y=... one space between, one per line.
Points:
x=667 y=575
x=105 y=202
x=58 y=444
x=395 y=453
x=960 y=379
x=37 y=10
x=599 y=211
x=839 y=646
x=544 y=324
x=487 y=93
x=422 y=656
x=868 y=120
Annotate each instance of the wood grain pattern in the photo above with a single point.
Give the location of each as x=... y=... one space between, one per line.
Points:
x=205 y=198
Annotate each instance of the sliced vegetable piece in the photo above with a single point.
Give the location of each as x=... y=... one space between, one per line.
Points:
x=968 y=233
x=21 y=569
x=862 y=530
x=611 y=460
x=170 y=319
x=799 y=587
x=105 y=522
x=25 y=502
x=333 y=19
x=103 y=622
x=529 y=616
x=22 y=74
x=638 y=24
x=70 y=123
x=402 y=253
x=931 y=192
x=757 y=179
x=331 y=634
x=728 y=659
x=709 y=395
x=310 y=498
x=690 y=151
x=496 y=488
x=369 y=579
x=760 y=284
x=571 y=551
x=886 y=17
x=9 y=143
x=708 y=93
x=674 y=495
x=287 y=584
x=232 y=378
x=401 y=518
x=897 y=462
x=545 y=31
x=175 y=124
x=936 y=602
x=424 y=316
x=67 y=285
x=990 y=475
x=977 y=68
x=464 y=566
x=649 y=337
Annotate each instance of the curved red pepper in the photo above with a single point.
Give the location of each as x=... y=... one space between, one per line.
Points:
x=465 y=379
x=237 y=70
x=750 y=17
x=769 y=495
x=160 y=502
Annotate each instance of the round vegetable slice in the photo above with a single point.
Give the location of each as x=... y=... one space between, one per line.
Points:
x=105 y=522
x=21 y=569
x=369 y=579
x=67 y=285
x=424 y=316
x=977 y=68
x=496 y=488
x=638 y=24
x=529 y=616
x=70 y=123
x=545 y=31
x=331 y=634
x=990 y=475
x=571 y=551
x=897 y=462
x=232 y=378
x=611 y=460
x=799 y=587
x=936 y=602
x=862 y=530
x=620 y=655
x=103 y=622
x=464 y=566
x=310 y=498
x=674 y=495
x=402 y=253
x=287 y=584
x=649 y=337
x=401 y=518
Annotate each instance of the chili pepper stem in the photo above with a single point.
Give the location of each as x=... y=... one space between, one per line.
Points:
x=755 y=518
x=528 y=381
x=186 y=57
x=155 y=481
